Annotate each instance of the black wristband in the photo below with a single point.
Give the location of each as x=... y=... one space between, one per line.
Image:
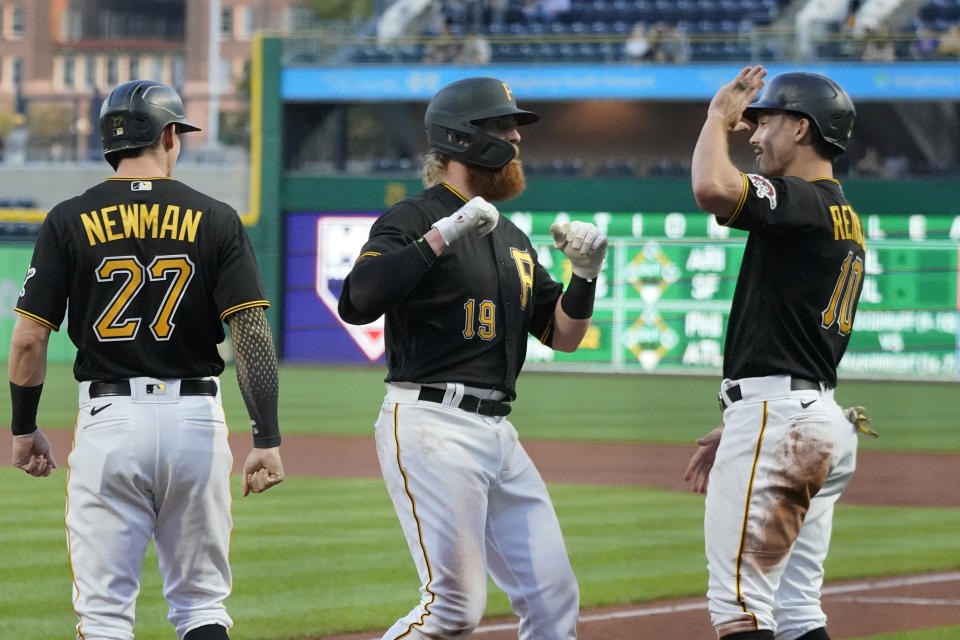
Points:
x=24 y=402
x=577 y=300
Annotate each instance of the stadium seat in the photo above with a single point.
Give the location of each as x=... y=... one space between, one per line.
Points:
x=501 y=52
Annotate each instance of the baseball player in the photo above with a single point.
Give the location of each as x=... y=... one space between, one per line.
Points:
x=461 y=289
x=785 y=452
x=146 y=269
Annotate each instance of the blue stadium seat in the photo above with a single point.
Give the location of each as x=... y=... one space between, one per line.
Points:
x=706 y=51
x=546 y=51
x=503 y=52
x=588 y=52
x=668 y=10
x=566 y=52
x=709 y=10
x=599 y=27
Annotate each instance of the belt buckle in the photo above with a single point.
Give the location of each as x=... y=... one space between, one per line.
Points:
x=723 y=405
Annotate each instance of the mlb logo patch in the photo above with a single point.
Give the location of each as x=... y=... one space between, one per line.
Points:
x=141 y=185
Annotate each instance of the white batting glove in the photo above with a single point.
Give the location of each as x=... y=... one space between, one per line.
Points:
x=583 y=244
x=477 y=216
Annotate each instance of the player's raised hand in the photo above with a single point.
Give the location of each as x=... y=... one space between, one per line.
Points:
x=263 y=469
x=32 y=453
x=698 y=470
x=477 y=216
x=584 y=244
x=732 y=98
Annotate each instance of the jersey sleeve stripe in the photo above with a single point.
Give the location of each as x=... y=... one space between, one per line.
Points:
x=455 y=192
x=547 y=336
x=743 y=199
x=246 y=305
x=367 y=254
x=38 y=319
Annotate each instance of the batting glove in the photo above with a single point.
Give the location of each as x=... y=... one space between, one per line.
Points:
x=860 y=421
x=477 y=216
x=583 y=244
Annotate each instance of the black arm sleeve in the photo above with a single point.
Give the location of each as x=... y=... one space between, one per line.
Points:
x=257 y=373
x=381 y=280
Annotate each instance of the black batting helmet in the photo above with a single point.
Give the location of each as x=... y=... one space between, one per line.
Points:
x=136 y=112
x=453 y=113
x=813 y=95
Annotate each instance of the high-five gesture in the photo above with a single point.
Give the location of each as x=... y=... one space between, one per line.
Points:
x=732 y=98
x=584 y=244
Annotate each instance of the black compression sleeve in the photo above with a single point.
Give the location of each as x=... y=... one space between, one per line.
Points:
x=257 y=373
x=377 y=282
x=577 y=300
x=24 y=402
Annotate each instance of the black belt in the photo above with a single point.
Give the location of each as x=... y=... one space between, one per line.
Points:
x=473 y=404
x=188 y=387
x=735 y=395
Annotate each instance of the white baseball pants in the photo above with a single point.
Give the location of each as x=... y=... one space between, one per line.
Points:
x=470 y=501
x=784 y=458
x=152 y=465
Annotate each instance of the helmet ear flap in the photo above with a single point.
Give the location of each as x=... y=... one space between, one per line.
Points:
x=471 y=145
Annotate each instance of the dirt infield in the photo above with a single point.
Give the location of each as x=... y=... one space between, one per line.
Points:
x=855 y=609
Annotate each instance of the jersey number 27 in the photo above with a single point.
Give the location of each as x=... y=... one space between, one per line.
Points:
x=112 y=325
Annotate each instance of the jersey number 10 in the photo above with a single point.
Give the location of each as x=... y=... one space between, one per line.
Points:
x=844 y=296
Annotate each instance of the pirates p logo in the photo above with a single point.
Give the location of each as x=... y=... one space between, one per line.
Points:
x=116 y=121
x=509 y=93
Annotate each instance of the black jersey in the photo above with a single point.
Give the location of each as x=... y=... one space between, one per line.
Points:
x=467 y=319
x=799 y=282
x=150 y=268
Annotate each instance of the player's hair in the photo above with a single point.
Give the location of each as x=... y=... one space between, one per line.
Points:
x=434 y=168
x=114 y=158
x=823 y=148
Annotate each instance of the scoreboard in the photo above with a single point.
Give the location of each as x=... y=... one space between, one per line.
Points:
x=664 y=294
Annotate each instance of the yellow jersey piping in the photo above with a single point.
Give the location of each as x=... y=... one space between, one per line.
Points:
x=38 y=319
x=455 y=192
x=246 y=305
x=151 y=178
x=746 y=514
x=413 y=509
x=740 y=203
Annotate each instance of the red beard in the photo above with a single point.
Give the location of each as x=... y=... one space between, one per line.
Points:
x=497 y=185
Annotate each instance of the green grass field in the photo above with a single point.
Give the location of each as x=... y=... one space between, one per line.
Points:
x=910 y=416
x=310 y=556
